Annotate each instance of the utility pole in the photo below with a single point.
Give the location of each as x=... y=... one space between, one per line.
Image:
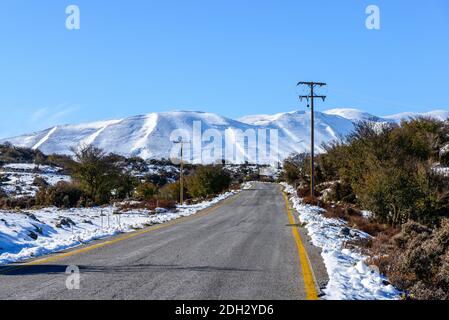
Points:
x=310 y=98
x=181 y=174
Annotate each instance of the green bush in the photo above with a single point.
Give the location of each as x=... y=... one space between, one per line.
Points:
x=10 y=154
x=146 y=191
x=388 y=170
x=123 y=185
x=62 y=195
x=296 y=168
x=341 y=191
x=97 y=173
x=171 y=191
x=207 y=181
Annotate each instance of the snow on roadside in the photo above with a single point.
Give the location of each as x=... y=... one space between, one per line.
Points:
x=247 y=185
x=34 y=233
x=349 y=277
x=440 y=170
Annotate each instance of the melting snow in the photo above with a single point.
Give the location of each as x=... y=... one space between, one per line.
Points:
x=349 y=277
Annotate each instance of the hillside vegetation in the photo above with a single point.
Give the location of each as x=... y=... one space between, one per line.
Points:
x=100 y=178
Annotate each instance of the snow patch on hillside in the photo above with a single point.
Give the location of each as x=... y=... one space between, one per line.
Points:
x=441 y=115
x=355 y=115
x=349 y=277
x=17 y=179
x=44 y=139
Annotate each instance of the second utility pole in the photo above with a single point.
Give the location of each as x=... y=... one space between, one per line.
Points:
x=181 y=173
x=311 y=98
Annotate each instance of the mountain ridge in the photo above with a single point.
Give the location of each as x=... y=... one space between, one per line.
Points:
x=150 y=135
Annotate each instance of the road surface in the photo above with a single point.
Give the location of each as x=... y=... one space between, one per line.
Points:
x=246 y=247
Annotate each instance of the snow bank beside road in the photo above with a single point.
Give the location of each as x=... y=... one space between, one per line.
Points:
x=349 y=277
x=35 y=233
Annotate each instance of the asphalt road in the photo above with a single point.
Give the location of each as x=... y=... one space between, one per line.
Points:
x=243 y=248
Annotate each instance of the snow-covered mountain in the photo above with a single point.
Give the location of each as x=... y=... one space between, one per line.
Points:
x=152 y=135
x=356 y=115
x=437 y=114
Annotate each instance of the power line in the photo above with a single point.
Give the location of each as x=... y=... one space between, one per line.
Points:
x=310 y=98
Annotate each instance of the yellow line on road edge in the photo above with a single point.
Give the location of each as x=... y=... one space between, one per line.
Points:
x=309 y=281
x=122 y=238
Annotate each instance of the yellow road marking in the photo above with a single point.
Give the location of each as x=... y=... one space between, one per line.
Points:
x=122 y=238
x=309 y=280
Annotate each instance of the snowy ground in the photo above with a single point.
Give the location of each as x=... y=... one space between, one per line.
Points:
x=443 y=171
x=34 y=233
x=349 y=277
x=18 y=178
x=169 y=171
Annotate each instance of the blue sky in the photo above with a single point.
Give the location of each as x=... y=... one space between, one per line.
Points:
x=232 y=57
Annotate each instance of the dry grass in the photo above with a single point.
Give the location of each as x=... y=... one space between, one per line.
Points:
x=354 y=218
x=415 y=258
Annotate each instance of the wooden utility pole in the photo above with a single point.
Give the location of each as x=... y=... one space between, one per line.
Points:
x=181 y=174
x=310 y=98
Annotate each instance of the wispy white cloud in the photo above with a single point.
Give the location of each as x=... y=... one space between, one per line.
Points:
x=61 y=114
x=38 y=114
x=52 y=115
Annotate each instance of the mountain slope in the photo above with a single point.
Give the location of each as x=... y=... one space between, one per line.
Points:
x=437 y=114
x=355 y=115
x=152 y=135
x=294 y=130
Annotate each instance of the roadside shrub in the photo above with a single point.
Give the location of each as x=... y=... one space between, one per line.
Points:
x=296 y=168
x=96 y=173
x=388 y=170
x=420 y=261
x=9 y=203
x=170 y=191
x=303 y=191
x=313 y=201
x=146 y=191
x=341 y=191
x=123 y=185
x=63 y=195
x=207 y=181
x=415 y=259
